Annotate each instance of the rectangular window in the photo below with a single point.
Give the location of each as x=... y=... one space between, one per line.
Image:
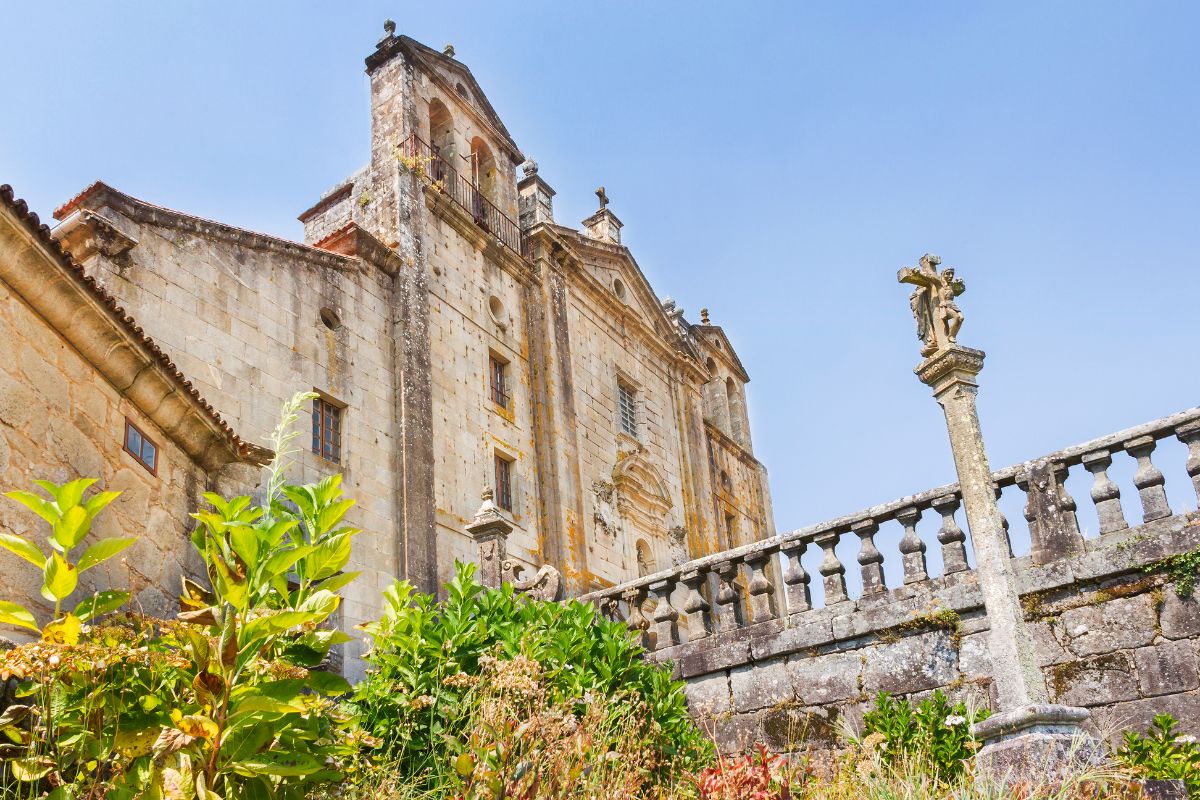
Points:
x=499 y=377
x=138 y=445
x=327 y=429
x=503 y=483
x=627 y=409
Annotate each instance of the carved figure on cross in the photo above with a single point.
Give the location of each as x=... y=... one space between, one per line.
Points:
x=938 y=317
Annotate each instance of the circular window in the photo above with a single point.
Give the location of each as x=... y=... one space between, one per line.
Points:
x=462 y=90
x=498 y=312
x=330 y=319
x=619 y=288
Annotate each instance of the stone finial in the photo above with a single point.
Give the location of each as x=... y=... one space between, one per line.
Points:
x=932 y=303
x=448 y=50
x=668 y=305
x=530 y=168
x=603 y=197
x=389 y=27
x=704 y=317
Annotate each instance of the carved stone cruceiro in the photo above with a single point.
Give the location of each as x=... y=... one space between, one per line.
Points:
x=932 y=302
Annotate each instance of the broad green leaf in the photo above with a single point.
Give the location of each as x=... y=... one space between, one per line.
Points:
x=268 y=704
x=327 y=683
x=98 y=502
x=332 y=514
x=322 y=603
x=69 y=494
x=16 y=614
x=25 y=549
x=33 y=768
x=100 y=603
x=244 y=541
x=59 y=578
x=274 y=762
x=70 y=528
x=330 y=557
x=335 y=582
x=281 y=562
x=36 y=504
x=103 y=550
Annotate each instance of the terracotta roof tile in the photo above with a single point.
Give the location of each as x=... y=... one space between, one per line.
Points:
x=246 y=450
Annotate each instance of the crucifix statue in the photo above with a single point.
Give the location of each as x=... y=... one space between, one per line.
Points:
x=932 y=302
x=603 y=197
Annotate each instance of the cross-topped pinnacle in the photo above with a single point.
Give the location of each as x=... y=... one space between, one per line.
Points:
x=603 y=197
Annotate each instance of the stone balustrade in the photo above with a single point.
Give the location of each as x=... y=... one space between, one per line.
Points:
x=765 y=581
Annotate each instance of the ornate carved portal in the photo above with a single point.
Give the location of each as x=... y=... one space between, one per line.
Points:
x=633 y=509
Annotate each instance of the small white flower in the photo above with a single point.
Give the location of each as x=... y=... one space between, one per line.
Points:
x=955 y=719
x=1185 y=740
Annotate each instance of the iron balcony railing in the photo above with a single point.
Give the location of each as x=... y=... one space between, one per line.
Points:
x=442 y=176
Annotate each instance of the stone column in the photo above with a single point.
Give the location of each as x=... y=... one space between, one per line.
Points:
x=1029 y=738
x=490 y=531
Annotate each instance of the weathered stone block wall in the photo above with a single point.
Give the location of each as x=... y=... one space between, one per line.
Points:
x=242 y=318
x=476 y=310
x=61 y=420
x=768 y=658
x=1109 y=636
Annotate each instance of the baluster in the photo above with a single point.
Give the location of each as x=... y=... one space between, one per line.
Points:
x=954 y=553
x=635 y=621
x=869 y=558
x=1106 y=495
x=1148 y=479
x=664 y=614
x=760 y=587
x=1190 y=435
x=912 y=546
x=1050 y=510
x=1004 y=523
x=694 y=606
x=726 y=608
x=796 y=578
x=832 y=571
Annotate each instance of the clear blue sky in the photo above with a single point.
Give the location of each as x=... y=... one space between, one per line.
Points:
x=774 y=162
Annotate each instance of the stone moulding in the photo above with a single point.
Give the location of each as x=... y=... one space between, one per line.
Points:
x=1176 y=424
x=50 y=281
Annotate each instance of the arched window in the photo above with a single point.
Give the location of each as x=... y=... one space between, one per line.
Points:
x=645 y=558
x=441 y=139
x=483 y=168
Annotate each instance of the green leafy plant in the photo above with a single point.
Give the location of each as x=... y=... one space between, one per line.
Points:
x=417 y=696
x=935 y=731
x=1183 y=569
x=226 y=701
x=70 y=517
x=1163 y=754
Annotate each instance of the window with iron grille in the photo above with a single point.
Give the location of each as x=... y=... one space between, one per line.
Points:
x=327 y=429
x=503 y=483
x=627 y=409
x=138 y=445
x=499 y=376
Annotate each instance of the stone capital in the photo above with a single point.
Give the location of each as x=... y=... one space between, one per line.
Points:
x=953 y=367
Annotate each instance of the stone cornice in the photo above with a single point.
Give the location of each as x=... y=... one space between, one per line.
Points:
x=742 y=454
x=37 y=268
x=670 y=345
x=100 y=194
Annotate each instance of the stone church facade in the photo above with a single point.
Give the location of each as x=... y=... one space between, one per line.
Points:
x=459 y=338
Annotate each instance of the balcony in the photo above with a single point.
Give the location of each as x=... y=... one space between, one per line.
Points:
x=422 y=159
